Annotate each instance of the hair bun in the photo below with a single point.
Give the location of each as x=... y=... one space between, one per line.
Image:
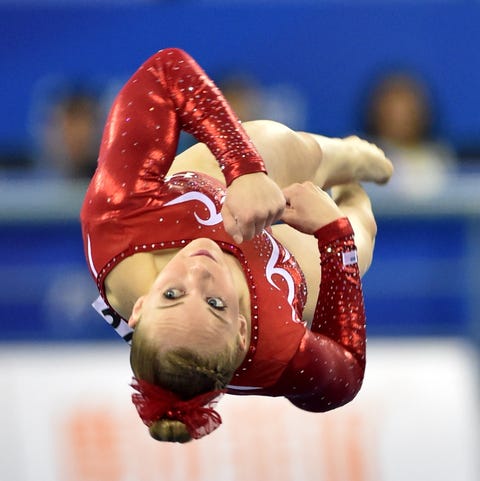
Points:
x=170 y=430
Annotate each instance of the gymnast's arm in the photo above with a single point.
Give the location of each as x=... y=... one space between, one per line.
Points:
x=170 y=93
x=327 y=371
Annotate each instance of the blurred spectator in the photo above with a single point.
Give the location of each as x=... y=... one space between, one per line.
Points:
x=243 y=94
x=250 y=100
x=68 y=133
x=399 y=119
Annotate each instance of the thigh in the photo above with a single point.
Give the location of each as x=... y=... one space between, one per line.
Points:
x=197 y=158
x=289 y=156
x=355 y=204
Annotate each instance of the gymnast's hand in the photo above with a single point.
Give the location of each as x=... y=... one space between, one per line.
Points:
x=253 y=202
x=309 y=208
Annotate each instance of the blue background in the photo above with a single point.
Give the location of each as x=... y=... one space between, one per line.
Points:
x=329 y=50
x=424 y=277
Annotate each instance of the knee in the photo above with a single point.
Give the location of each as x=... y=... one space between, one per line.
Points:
x=286 y=143
x=268 y=129
x=274 y=140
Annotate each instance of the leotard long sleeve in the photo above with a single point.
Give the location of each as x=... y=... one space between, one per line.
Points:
x=327 y=370
x=169 y=93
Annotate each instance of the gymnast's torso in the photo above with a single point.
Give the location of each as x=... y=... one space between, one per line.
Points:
x=187 y=206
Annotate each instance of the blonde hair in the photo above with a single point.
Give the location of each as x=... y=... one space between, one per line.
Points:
x=184 y=372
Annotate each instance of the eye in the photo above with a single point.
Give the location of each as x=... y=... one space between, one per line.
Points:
x=173 y=293
x=216 y=303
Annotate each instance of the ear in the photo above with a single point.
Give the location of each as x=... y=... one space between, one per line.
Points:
x=136 y=312
x=242 y=333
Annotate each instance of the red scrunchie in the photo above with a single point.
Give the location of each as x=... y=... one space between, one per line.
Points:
x=154 y=403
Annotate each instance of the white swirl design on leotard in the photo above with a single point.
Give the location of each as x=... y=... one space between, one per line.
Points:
x=270 y=270
x=90 y=258
x=214 y=216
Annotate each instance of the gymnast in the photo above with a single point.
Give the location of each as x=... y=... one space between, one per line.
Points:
x=196 y=272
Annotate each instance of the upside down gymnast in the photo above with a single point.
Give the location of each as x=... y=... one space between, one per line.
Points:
x=195 y=273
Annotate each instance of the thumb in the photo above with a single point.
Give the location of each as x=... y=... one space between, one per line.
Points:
x=231 y=226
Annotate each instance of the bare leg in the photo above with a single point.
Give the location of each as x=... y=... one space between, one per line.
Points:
x=299 y=156
x=355 y=204
x=350 y=159
x=289 y=156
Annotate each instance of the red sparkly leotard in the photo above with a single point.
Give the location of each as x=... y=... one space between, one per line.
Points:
x=131 y=206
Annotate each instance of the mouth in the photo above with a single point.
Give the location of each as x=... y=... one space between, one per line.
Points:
x=205 y=253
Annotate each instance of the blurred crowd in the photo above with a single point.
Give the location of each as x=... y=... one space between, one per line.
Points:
x=399 y=113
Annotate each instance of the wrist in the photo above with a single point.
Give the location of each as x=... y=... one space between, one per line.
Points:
x=251 y=163
x=335 y=230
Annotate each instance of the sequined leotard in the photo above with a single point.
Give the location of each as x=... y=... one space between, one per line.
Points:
x=132 y=207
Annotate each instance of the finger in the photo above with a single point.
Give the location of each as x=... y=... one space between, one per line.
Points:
x=246 y=228
x=272 y=216
x=313 y=187
x=259 y=226
x=231 y=226
x=288 y=191
x=277 y=214
x=271 y=219
x=288 y=215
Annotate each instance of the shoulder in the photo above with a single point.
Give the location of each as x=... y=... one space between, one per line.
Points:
x=132 y=278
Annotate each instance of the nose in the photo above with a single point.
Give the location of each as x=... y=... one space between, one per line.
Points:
x=200 y=272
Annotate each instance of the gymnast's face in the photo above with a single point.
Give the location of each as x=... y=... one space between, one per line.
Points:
x=193 y=302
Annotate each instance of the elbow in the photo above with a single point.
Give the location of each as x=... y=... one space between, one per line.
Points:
x=350 y=393
x=352 y=385
x=172 y=54
x=338 y=392
x=323 y=404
